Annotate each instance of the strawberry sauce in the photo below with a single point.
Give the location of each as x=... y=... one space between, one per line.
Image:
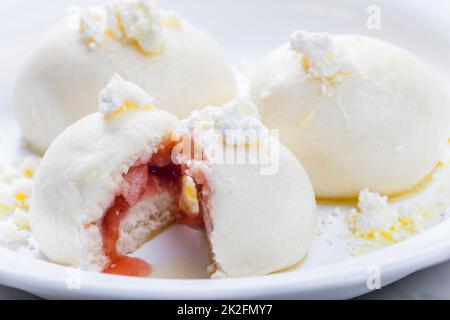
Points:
x=158 y=175
x=119 y=264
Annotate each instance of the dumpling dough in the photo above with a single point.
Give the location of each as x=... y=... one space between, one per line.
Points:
x=61 y=80
x=383 y=126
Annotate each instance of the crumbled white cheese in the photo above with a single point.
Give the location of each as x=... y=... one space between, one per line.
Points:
x=21 y=219
x=6 y=201
x=29 y=166
x=136 y=20
x=11 y=234
x=93 y=25
x=8 y=174
x=374 y=215
x=377 y=220
x=20 y=193
x=322 y=59
x=238 y=122
x=120 y=95
x=16 y=185
x=15 y=196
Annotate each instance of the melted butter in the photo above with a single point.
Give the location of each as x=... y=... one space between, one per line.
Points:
x=307 y=119
x=109 y=33
x=404 y=223
x=29 y=173
x=171 y=22
x=352 y=201
x=120 y=24
x=305 y=64
x=136 y=44
x=291 y=268
x=128 y=105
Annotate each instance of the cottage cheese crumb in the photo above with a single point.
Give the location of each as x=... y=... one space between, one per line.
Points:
x=15 y=195
x=16 y=184
x=326 y=221
x=375 y=219
x=93 y=25
x=120 y=95
x=10 y=234
x=28 y=166
x=21 y=219
x=20 y=193
x=238 y=122
x=138 y=21
x=7 y=174
x=322 y=59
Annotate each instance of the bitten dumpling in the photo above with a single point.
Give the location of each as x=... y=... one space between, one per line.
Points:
x=115 y=178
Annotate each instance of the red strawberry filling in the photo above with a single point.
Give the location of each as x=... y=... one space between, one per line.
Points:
x=158 y=175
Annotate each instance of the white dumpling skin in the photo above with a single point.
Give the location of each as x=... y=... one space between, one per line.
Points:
x=384 y=128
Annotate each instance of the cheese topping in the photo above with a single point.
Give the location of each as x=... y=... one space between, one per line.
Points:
x=15 y=195
x=138 y=21
x=376 y=219
x=93 y=25
x=322 y=59
x=238 y=122
x=120 y=95
x=29 y=166
x=11 y=234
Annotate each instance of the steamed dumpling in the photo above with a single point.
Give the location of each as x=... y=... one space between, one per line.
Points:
x=117 y=177
x=177 y=62
x=358 y=112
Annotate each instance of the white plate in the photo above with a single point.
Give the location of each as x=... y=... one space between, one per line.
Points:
x=247 y=31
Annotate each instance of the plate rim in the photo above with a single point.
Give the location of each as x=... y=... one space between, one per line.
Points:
x=341 y=280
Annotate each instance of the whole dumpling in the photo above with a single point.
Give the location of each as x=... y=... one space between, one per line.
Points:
x=357 y=112
x=177 y=62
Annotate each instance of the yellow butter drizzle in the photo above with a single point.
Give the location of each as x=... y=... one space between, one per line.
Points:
x=128 y=105
x=171 y=22
x=351 y=201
